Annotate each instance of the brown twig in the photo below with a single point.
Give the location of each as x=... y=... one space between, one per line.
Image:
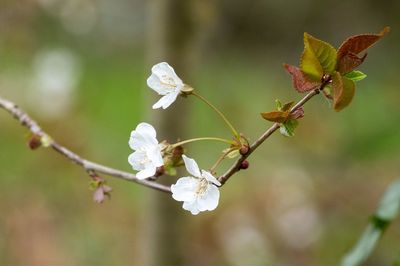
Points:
x=237 y=165
x=89 y=166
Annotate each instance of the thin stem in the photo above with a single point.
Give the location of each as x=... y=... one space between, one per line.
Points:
x=200 y=139
x=220 y=159
x=89 y=166
x=234 y=131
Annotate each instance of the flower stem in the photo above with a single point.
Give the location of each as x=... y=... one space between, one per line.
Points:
x=234 y=131
x=220 y=159
x=205 y=138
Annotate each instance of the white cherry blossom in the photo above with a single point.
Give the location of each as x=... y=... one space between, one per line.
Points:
x=147 y=156
x=198 y=192
x=165 y=82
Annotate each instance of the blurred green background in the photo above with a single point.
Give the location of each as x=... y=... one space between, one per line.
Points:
x=80 y=67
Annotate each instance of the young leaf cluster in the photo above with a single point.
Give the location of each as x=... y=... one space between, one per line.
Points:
x=321 y=61
x=287 y=119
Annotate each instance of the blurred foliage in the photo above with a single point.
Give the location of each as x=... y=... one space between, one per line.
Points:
x=388 y=210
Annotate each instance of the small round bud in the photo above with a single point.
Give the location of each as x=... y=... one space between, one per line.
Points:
x=244 y=165
x=160 y=171
x=298 y=113
x=177 y=152
x=244 y=149
x=35 y=142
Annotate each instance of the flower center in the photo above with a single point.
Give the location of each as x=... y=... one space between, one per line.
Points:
x=144 y=160
x=168 y=82
x=201 y=189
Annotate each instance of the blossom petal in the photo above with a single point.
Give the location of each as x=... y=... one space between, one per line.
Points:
x=166 y=74
x=185 y=189
x=135 y=160
x=146 y=172
x=191 y=206
x=166 y=100
x=191 y=166
x=146 y=129
x=143 y=136
x=155 y=84
x=210 y=177
x=155 y=156
x=209 y=201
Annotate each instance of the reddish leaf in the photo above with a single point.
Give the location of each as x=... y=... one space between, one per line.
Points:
x=276 y=116
x=300 y=82
x=349 y=62
x=343 y=91
x=357 y=44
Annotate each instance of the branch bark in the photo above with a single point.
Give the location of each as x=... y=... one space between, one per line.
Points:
x=89 y=166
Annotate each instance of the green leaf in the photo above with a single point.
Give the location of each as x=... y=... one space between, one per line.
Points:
x=343 y=91
x=286 y=107
x=278 y=104
x=318 y=57
x=287 y=128
x=170 y=170
x=355 y=75
x=93 y=184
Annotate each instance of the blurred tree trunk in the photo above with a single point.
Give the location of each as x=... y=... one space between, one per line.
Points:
x=172 y=38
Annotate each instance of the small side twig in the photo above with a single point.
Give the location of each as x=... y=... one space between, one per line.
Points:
x=89 y=166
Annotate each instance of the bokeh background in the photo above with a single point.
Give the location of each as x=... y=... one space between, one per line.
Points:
x=80 y=67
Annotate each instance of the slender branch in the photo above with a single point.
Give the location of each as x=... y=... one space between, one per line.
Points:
x=89 y=166
x=229 y=124
x=236 y=166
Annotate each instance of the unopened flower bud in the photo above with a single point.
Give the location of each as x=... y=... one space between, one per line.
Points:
x=298 y=113
x=177 y=153
x=98 y=195
x=244 y=149
x=160 y=171
x=35 y=142
x=244 y=165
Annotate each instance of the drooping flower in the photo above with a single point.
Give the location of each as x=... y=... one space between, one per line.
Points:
x=165 y=82
x=147 y=156
x=198 y=192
